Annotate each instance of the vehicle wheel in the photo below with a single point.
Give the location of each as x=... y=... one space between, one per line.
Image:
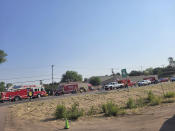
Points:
x=39 y=96
x=17 y=98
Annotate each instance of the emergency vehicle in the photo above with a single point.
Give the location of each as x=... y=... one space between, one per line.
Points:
x=127 y=82
x=23 y=92
x=72 y=88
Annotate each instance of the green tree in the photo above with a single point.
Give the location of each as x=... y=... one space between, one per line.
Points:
x=2 y=86
x=148 y=71
x=2 y=56
x=71 y=76
x=50 y=88
x=95 y=81
x=135 y=73
x=9 y=85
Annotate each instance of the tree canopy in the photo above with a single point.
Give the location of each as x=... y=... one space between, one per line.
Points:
x=71 y=76
x=2 y=86
x=95 y=81
x=2 y=56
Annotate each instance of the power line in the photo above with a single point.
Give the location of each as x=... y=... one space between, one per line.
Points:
x=31 y=81
x=15 y=78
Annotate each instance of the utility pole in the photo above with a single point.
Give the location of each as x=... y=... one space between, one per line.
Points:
x=52 y=74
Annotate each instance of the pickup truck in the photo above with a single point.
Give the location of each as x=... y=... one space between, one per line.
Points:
x=144 y=82
x=113 y=85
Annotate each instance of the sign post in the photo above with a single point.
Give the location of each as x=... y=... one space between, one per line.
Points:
x=124 y=73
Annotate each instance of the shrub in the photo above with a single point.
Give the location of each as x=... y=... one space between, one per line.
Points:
x=60 y=112
x=151 y=96
x=169 y=95
x=92 y=111
x=74 y=112
x=131 y=104
x=153 y=100
x=110 y=109
x=140 y=102
x=95 y=81
x=156 y=101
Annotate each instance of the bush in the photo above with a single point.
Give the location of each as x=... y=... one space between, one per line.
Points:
x=169 y=95
x=92 y=111
x=156 y=101
x=151 y=96
x=110 y=109
x=140 y=102
x=74 y=112
x=131 y=104
x=60 y=112
x=95 y=81
x=153 y=100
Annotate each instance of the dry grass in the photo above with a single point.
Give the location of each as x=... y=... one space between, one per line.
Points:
x=42 y=110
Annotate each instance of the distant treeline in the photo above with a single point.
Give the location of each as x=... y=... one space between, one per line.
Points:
x=160 y=71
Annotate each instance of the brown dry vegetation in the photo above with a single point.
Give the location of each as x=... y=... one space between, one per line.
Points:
x=39 y=114
x=43 y=110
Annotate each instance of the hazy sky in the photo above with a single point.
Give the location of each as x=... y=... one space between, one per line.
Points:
x=88 y=36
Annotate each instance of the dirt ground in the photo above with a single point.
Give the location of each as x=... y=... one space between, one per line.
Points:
x=39 y=115
x=158 y=118
x=3 y=113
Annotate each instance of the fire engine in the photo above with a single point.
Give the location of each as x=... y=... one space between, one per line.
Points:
x=23 y=92
x=72 y=88
x=127 y=82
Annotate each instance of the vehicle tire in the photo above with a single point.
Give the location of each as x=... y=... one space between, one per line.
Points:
x=17 y=98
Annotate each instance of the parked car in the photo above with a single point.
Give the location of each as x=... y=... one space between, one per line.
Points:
x=144 y=82
x=152 y=79
x=163 y=80
x=113 y=85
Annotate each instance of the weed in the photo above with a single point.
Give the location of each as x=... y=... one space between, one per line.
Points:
x=131 y=103
x=156 y=101
x=110 y=109
x=92 y=111
x=140 y=102
x=151 y=96
x=74 y=112
x=169 y=94
x=60 y=112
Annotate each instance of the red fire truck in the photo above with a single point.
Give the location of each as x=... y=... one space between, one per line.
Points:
x=127 y=82
x=22 y=92
x=73 y=88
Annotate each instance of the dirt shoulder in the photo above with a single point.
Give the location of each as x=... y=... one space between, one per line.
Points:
x=3 y=113
x=149 y=119
x=38 y=115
